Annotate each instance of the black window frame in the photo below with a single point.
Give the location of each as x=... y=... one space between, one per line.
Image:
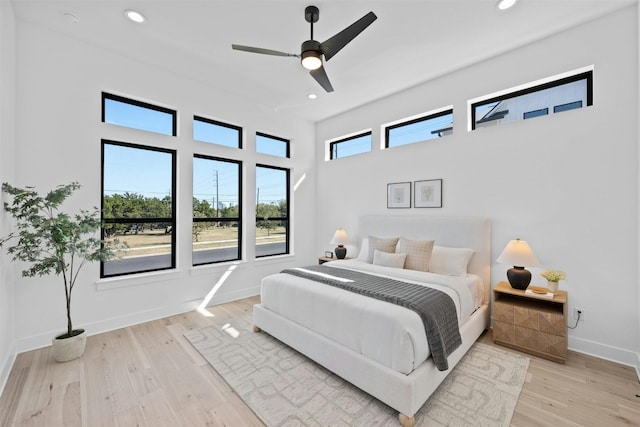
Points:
x=171 y=220
x=222 y=124
x=286 y=219
x=221 y=219
x=535 y=113
x=424 y=118
x=335 y=143
x=141 y=104
x=560 y=108
x=586 y=75
x=277 y=138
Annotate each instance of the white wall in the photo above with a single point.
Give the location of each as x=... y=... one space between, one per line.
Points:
x=566 y=183
x=59 y=130
x=7 y=128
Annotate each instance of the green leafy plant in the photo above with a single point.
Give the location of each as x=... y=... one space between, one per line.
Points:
x=554 y=275
x=51 y=241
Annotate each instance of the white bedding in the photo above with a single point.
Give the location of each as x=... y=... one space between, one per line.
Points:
x=361 y=323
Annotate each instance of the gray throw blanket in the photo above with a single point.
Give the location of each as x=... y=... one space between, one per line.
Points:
x=436 y=309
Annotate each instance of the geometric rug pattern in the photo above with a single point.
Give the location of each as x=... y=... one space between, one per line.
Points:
x=285 y=388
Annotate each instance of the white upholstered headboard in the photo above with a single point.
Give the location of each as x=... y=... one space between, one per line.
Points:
x=450 y=231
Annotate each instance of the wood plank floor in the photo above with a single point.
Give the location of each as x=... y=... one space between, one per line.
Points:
x=149 y=375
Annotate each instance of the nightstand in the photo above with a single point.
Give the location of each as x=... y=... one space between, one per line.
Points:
x=535 y=325
x=323 y=259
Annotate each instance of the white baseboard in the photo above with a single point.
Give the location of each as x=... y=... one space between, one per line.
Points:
x=44 y=340
x=607 y=352
x=7 y=365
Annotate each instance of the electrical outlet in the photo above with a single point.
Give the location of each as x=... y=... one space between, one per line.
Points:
x=575 y=313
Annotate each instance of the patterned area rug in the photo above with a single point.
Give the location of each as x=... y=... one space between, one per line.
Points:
x=284 y=388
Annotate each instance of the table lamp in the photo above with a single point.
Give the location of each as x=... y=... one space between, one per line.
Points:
x=340 y=239
x=518 y=254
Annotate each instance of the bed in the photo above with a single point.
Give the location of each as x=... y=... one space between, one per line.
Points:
x=402 y=373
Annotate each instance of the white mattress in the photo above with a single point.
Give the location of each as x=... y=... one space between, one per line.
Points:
x=361 y=323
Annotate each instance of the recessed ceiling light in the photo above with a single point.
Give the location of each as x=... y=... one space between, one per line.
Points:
x=506 y=4
x=312 y=96
x=135 y=16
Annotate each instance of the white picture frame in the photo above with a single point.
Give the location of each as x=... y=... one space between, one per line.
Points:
x=427 y=193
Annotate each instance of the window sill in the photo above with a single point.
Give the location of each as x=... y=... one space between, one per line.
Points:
x=274 y=259
x=137 y=279
x=205 y=269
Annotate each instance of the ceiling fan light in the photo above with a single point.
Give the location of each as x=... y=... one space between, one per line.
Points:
x=135 y=16
x=311 y=60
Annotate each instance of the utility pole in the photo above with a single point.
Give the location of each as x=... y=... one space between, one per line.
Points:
x=216 y=200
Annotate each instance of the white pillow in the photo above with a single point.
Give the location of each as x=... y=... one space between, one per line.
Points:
x=450 y=261
x=364 y=250
x=387 y=244
x=389 y=259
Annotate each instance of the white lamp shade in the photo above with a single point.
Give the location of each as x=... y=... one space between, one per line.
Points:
x=340 y=237
x=519 y=254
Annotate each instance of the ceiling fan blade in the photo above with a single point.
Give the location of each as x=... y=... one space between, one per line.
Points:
x=333 y=45
x=321 y=77
x=261 y=50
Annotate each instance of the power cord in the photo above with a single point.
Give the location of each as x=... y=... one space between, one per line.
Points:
x=577 y=320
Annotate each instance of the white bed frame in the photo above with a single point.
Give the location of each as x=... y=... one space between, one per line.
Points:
x=405 y=393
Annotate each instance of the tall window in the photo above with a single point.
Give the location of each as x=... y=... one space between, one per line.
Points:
x=138 y=207
x=215 y=132
x=273 y=145
x=217 y=224
x=350 y=146
x=430 y=126
x=552 y=96
x=130 y=113
x=272 y=211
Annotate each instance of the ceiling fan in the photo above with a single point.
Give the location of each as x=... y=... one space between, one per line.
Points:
x=312 y=51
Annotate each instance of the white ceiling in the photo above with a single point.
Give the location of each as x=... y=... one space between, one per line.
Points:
x=410 y=42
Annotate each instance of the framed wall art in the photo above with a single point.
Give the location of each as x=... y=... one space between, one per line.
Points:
x=399 y=195
x=428 y=193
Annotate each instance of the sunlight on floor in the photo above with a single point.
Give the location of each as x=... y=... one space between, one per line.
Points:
x=231 y=330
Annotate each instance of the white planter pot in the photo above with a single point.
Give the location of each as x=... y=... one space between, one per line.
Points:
x=552 y=287
x=66 y=349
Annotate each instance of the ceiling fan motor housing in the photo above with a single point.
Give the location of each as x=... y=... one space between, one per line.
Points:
x=311 y=49
x=310 y=46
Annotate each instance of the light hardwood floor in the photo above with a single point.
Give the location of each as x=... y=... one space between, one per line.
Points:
x=149 y=375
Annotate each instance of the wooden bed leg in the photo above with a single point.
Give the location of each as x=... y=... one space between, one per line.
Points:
x=256 y=328
x=406 y=421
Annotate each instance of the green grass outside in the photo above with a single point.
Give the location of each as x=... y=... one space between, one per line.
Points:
x=152 y=242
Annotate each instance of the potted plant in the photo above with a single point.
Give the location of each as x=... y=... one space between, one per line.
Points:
x=54 y=242
x=553 y=277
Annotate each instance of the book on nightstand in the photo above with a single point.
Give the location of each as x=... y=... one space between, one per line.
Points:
x=531 y=293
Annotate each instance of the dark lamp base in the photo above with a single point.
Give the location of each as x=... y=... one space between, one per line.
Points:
x=519 y=278
x=340 y=251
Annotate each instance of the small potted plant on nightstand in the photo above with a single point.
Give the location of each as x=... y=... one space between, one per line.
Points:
x=553 y=277
x=54 y=242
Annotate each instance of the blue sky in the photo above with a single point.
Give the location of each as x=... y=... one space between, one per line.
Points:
x=138 y=171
